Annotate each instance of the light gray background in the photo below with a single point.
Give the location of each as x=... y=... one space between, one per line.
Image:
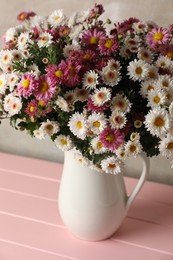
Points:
x=12 y=141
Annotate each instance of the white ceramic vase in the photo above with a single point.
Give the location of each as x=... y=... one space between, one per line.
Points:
x=93 y=205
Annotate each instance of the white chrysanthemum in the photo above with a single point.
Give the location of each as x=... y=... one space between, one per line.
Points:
x=64 y=142
x=62 y=104
x=95 y=168
x=133 y=148
x=138 y=70
x=166 y=146
x=125 y=52
x=152 y=72
x=10 y=34
x=12 y=80
x=78 y=125
x=3 y=83
x=145 y=55
x=96 y=123
x=110 y=76
x=121 y=153
x=163 y=62
x=114 y=65
x=49 y=127
x=117 y=120
x=45 y=40
x=57 y=18
x=112 y=165
x=15 y=106
x=135 y=136
x=17 y=55
x=97 y=146
x=121 y=104
x=7 y=101
x=25 y=53
x=147 y=86
x=90 y=79
x=81 y=159
x=156 y=98
x=140 y=27
x=81 y=94
x=39 y=134
x=101 y=96
x=132 y=43
x=5 y=58
x=34 y=70
x=165 y=82
x=76 y=31
x=82 y=16
x=157 y=122
x=70 y=97
x=23 y=40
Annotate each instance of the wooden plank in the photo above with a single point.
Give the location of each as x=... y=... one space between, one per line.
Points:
x=59 y=241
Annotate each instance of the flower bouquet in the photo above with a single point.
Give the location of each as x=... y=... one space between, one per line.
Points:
x=104 y=89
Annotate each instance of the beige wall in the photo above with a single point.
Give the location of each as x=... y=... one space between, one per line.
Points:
x=12 y=141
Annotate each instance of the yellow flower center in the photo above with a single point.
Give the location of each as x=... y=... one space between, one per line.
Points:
x=138 y=70
x=49 y=127
x=156 y=99
x=94 y=40
x=43 y=87
x=111 y=165
x=25 y=83
x=96 y=124
x=41 y=103
x=99 y=145
x=158 y=36
x=110 y=138
x=150 y=88
x=57 y=18
x=58 y=73
x=108 y=43
x=31 y=109
x=86 y=56
x=170 y=146
x=159 y=122
x=63 y=141
x=1 y=82
x=132 y=148
x=79 y=124
x=138 y=123
x=169 y=54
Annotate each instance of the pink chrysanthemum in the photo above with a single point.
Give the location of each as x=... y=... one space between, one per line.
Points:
x=158 y=37
x=27 y=85
x=46 y=89
x=111 y=138
x=93 y=108
x=88 y=55
x=92 y=37
x=32 y=108
x=107 y=46
x=25 y=16
x=168 y=51
x=54 y=73
x=70 y=72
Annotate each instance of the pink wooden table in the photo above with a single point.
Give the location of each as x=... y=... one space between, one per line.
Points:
x=31 y=229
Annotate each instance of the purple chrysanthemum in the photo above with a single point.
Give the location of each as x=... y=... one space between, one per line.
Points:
x=32 y=108
x=157 y=37
x=27 y=85
x=111 y=138
x=54 y=73
x=46 y=89
x=92 y=37
x=70 y=72
x=107 y=46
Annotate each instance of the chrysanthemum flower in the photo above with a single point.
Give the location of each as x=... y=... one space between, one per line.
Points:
x=23 y=40
x=96 y=123
x=12 y=80
x=49 y=127
x=133 y=148
x=3 y=83
x=168 y=51
x=147 y=86
x=101 y=96
x=62 y=104
x=92 y=37
x=56 y=18
x=165 y=82
x=27 y=85
x=110 y=77
x=64 y=142
x=94 y=108
x=137 y=70
x=45 y=39
x=157 y=36
x=152 y=72
x=156 y=98
x=97 y=145
x=107 y=46
x=111 y=138
x=81 y=94
x=117 y=120
x=70 y=73
x=145 y=55
x=46 y=88
x=39 y=134
x=166 y=146
x=6 y=57
x=55 y=73
x=32 y=108
x=121 y=104
x=13 y=105
x=78 y=126
x=163 y=62
x=90 y=79
x=112 y=165
x=157 y=122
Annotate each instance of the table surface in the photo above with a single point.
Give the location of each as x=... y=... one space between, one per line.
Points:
x=31 y=228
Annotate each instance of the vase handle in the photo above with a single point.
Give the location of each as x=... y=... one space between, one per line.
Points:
x=140 y=183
